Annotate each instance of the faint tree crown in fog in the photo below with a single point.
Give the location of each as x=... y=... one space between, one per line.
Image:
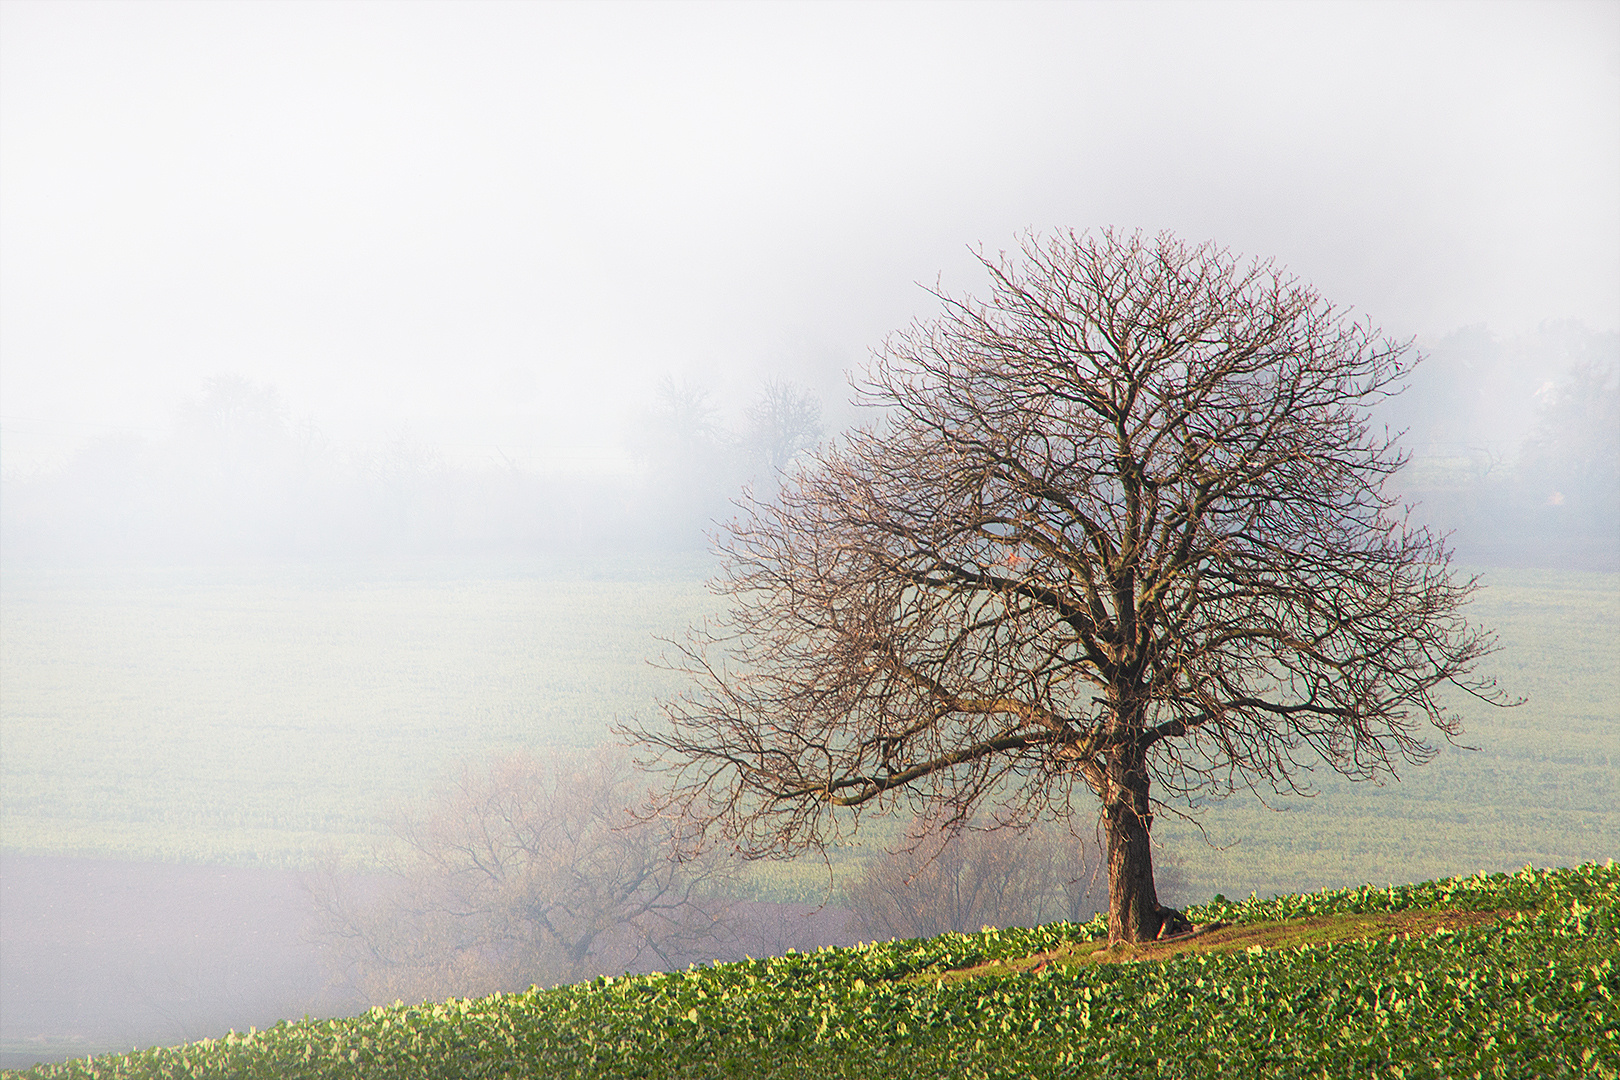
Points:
x=782 y=424
x=683 y=427
x=1574 y=453
x=531 y=873
x=1123 y=529
x=696 y=465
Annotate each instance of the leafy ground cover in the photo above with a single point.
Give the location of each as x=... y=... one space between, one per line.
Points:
x=1521 y=979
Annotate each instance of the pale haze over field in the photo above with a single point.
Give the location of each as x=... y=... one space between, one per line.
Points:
x=497 y=227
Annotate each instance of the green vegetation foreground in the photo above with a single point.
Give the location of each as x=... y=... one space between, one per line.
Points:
x=1525 y=987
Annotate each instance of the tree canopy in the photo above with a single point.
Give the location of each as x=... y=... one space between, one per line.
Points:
x=1120 y=528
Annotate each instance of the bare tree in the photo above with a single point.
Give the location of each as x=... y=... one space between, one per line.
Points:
x=783 y=423
x=683 y=429
x=530 y=874
x=964 y=879
x=1124 y=525
x=693 y=464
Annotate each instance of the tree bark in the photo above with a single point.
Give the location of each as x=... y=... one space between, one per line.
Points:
x=1134 y=913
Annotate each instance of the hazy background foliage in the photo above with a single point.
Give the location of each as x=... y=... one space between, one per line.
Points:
x=1515 y=445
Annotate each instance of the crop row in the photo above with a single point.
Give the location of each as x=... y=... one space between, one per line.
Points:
x=1535 y=993
x=1529 y=889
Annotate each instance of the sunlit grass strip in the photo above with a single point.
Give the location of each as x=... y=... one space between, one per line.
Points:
x=1531 y=995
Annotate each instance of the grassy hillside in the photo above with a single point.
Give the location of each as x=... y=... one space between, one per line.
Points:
x=1488 y=976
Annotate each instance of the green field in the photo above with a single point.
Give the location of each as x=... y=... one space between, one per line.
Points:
x=262 y=717
x=276 y=715
x=1542 y=788
x=1483 y=976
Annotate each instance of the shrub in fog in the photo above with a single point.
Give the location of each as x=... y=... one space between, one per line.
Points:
x=530 y=872
x=964 y=879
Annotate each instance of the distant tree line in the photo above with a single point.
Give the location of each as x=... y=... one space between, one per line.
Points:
x=240 y=477
x=1515 y=447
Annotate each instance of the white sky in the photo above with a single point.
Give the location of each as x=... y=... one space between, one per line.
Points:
x=498 y=225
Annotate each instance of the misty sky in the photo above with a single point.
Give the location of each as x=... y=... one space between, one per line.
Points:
x=497 y=225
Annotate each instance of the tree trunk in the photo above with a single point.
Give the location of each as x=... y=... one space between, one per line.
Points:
x=1134 y=913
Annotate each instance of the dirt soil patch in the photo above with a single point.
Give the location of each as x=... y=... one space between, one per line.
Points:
x=1318 y=930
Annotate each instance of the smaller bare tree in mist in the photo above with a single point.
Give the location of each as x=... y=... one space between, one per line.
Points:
x=783 y=423
x=692 y=462
x=531 y=873
x=963 y=879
